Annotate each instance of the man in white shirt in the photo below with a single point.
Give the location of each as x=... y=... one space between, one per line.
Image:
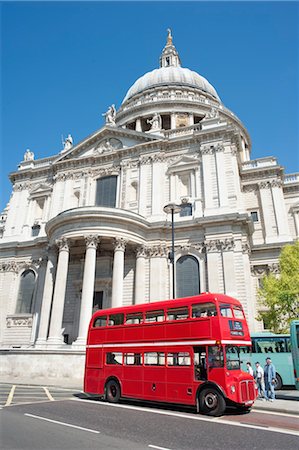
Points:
x=260 y=381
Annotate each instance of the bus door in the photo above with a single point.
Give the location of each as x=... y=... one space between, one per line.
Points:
x=200 y=363
x=216 y=370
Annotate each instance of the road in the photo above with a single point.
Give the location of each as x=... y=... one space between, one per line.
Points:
x=74 y=422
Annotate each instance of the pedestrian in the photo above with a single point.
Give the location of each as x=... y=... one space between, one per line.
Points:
x=249 y=368
x=270 y=379
x=260 y=380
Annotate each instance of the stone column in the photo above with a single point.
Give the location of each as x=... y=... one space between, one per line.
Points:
x=173 y=121
x=213 y=262
x=87 y=288
x=118 y=272
x=280 y=211
x=55 y=334
x=221 y=178
x=140 y=275
x=47 y=298
x=207 y=154
x=138 y=125
x=229 y=273
x=158 y=180
x=268 y=211
x=158 y=272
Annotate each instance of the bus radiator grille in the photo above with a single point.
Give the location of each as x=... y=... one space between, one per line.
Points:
x=247 y=390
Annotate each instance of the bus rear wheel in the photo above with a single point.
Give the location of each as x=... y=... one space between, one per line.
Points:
x=112 y=391
x=211 y=402
x=278 y=382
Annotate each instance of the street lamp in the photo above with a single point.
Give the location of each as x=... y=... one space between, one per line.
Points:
x=172 y=208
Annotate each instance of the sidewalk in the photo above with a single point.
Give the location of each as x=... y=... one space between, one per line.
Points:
x=287 y=401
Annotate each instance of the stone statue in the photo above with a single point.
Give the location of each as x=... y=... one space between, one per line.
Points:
x=68 y=142
x=212 y=114
x=155 y=122
x=28 y=155
x=110 y=115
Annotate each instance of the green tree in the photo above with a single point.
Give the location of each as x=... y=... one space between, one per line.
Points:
x=279 y=295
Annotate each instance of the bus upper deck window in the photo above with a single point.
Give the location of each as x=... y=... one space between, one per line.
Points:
x=116 y=319
x=204 y=310
x=177 y=313
x=100 y=321
x=133 y=318
x=238 y=313
x=225 y=311
x=154 y=316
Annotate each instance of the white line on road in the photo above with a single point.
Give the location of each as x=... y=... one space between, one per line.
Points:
x=61 y=423
x=219 y=420
x=159 y=448
x=48 y=394
x=10 y=396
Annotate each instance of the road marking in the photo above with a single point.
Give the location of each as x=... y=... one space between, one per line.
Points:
x=185 y=416
x=61 y=423
x=160 y=448
x=10 y=396
x=48 y=394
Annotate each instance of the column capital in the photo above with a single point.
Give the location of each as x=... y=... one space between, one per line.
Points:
x=120 y=244
x=141 y=251
x=63 y=244
x=92 y=241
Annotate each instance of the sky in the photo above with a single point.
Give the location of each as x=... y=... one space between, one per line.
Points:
x=64 y=63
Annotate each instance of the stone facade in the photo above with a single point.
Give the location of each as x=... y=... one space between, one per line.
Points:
x=172 y=142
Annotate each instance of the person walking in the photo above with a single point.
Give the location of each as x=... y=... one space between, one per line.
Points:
x=270 y=377
x=249 y=368
x=260 y=381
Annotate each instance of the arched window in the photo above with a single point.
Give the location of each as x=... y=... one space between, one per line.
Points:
x=187 y=276
x=106 y=191
x=26 y=290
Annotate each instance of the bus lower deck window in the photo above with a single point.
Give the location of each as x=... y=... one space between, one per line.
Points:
x=178 y=359
x=154 y=359
x=114 y=358
x=132 y=359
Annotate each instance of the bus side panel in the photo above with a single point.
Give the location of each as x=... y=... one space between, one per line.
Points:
x=201 y=328
x=132 y=382
x=154 y=333
x=177 y=330
x=155 y=383
x=180 y=385
x=91 y=381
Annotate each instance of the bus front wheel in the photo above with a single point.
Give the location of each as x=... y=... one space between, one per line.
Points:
x=211 y=402
x=112 y=391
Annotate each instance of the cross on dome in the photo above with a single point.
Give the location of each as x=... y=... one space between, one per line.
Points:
x=170 y=56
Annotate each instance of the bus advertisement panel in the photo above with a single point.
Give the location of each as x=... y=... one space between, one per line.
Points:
x=294 y=330
x=184 y=351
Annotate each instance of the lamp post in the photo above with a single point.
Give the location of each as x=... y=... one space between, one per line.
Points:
x=172 y=208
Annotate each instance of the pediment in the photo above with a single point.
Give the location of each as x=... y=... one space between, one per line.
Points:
x=183 y=163
x=40 y=189
x=107 y=140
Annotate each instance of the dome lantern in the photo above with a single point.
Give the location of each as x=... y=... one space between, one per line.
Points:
x=170 y=56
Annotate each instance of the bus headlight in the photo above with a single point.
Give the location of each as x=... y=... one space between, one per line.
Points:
x=233 y=389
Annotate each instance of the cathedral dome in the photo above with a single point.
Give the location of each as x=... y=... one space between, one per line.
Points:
x=170 y=74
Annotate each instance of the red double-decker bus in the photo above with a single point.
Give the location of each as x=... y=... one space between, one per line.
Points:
x=184 y=351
